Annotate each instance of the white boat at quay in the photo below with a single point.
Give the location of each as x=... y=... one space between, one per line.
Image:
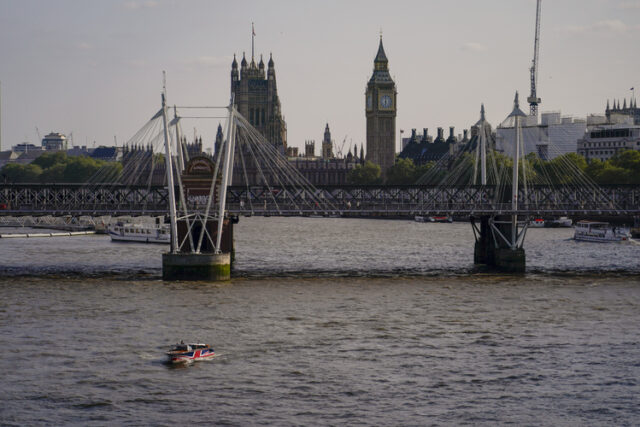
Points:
x=563 y=221
x=536 y=223
x=440 y=218
x=593 y=231
x=141 y=233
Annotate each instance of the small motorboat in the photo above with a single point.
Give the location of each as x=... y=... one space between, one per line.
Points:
x=190 y=352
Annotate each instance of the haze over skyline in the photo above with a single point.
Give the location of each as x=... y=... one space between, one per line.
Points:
x=95 y=68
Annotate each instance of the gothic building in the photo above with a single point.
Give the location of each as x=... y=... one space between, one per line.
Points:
x=632 y=110
x=422 y=149
x=327 y=144
x=381 y=109
x=256 y=98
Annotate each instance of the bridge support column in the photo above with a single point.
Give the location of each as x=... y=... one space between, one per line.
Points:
x=209 y=267
x=492 y=249
x=484 y=249
x=206 y=265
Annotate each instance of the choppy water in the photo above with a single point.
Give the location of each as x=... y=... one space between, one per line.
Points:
x=329 y=322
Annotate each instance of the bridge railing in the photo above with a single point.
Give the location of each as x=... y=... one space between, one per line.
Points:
x=63 y=199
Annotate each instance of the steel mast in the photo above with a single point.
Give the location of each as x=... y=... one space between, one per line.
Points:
x=533 y=99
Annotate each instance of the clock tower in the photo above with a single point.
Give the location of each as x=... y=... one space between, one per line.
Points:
x=380 y=107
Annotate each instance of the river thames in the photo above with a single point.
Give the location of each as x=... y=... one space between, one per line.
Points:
x=326 y=322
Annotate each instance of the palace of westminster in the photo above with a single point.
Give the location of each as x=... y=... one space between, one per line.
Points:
x=255 y=94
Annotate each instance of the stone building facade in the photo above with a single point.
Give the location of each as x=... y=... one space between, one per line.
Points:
x=256 y=98
x=381 y=110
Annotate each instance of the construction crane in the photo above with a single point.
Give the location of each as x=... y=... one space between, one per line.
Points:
x=533 y=99
x=339 y=150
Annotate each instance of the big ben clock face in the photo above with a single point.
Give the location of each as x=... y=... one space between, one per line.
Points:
x=369 y=102
x=385 y=101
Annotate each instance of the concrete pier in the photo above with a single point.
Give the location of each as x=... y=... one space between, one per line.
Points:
x=183 y=266
x=500 y=257
x=206 y=265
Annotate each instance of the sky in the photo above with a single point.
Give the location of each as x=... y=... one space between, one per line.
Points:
x=94 y=68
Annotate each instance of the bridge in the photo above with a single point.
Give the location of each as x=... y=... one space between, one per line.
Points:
x=375 y=201
x=498 y=194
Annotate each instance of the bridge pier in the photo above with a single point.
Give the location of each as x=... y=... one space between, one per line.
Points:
x=205 y=265
x=491 y=247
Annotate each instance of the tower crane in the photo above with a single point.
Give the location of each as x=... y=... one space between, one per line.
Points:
x=339 y=150
x=533 y=99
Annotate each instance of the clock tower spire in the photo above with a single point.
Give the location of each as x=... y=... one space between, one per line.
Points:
x=380 y=110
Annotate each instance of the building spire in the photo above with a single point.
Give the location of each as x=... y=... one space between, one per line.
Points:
x=482 y=112
x=253 y=36
x=516 y=108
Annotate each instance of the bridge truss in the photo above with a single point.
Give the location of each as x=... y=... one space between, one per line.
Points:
x=379 y=201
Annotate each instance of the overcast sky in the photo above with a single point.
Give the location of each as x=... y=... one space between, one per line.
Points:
x=94 y=68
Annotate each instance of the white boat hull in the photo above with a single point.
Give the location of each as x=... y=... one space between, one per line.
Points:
x=138 y=239
x=589 y=231
x=138 y=233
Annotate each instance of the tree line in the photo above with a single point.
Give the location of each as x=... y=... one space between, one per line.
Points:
x=570 y=168
x=57 y=167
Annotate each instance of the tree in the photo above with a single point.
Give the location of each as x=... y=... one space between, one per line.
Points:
x=613 y=175
x=629 y=160
x=18 y=173
x=80 y=169
x=110 y=171
x=402 y=172
x=369 y=174
x=53 y=174
x=48 y=160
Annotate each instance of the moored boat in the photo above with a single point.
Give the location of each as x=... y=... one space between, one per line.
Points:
x=536 y=223
x=190 y=352
x=141 y=233
x=441 y=218
x=563 y=221
x=593 y=231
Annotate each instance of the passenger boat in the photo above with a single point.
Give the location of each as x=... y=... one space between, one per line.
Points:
x=593 y=231
x=142 y=233
x=191 y=352
x=536 y=223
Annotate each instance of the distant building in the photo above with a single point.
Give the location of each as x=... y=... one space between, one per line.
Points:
x=325 y=172
x=54 y=141
x=632 y=111
x=310 y=149
x=422 y=148
x=553 y=136
x=256 y=98
x=25 y=146
x=8 y=156
x=327 y=144
x=381 y=111
x=107 y=154
x=604 y=141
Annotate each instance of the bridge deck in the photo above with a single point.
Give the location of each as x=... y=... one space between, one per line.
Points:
x=390 y=201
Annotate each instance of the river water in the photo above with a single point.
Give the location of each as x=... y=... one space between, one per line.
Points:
x=326 y=322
